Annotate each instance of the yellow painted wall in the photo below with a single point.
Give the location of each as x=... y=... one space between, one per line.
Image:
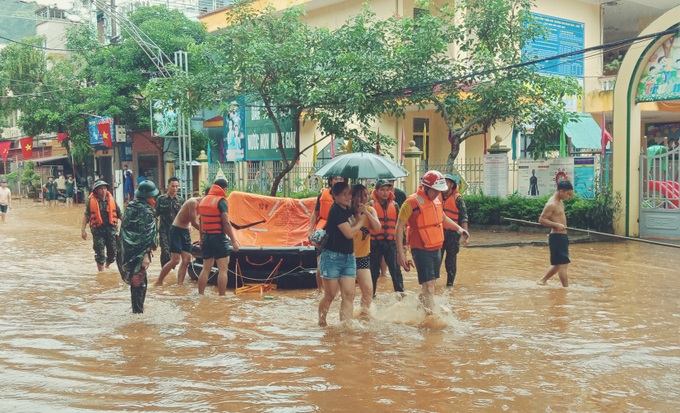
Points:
x=333 y=13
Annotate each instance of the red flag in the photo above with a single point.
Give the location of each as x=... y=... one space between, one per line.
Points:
x=105 y=130
x=26 y=147
x=61 y=137
x=4 y=149
x=605 y=136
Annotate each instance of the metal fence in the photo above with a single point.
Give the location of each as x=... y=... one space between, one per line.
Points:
x=250 y=177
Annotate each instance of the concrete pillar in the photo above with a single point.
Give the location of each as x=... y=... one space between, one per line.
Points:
x=202 y=170
x=412 y=164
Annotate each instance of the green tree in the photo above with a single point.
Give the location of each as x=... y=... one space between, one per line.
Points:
x=291 y=72
x=465 y=58
x=92 y=79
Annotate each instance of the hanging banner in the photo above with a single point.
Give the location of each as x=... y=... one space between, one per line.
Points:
x=98 y=125
x=234 y=129
x=584 y=177
x=163 y=118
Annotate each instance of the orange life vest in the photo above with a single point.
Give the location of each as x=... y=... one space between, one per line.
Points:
x=96 y=220
x=387 y=218
x=451 y=206
x=428 y=219
x=211 y=217
x=325 y=204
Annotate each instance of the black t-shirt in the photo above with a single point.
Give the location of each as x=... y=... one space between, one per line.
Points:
x=337 y=242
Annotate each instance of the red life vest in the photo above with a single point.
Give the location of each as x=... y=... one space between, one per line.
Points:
x=428 y=220
x=211 y=217
x=325 y=204
x=96 y=220
x=451 y=206
x=387 y=218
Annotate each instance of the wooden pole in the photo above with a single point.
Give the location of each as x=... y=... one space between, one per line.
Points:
x=588 y=231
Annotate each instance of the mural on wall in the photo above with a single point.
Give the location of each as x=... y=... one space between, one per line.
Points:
x=655 y=132
x=660 y=79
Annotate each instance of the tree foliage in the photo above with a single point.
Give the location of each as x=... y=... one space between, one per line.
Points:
x=92 y=79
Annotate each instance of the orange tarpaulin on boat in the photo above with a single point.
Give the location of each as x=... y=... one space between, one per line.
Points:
x=281 y=222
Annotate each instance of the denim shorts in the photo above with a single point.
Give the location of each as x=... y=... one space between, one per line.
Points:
x=333 y=265
x=427 y=264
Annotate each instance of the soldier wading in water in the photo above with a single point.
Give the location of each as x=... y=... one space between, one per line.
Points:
x=137 y=240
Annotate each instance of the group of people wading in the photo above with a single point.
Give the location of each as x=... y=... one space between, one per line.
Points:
x=364 y=231
x=131 y=237
x=360 y=234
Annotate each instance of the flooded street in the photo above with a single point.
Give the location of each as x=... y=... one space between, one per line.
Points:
x=69 y=343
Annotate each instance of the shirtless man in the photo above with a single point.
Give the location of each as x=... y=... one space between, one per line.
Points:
x=179 y=240
x=553 y=216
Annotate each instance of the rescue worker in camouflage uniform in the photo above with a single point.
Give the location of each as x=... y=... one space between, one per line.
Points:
x=103 y=215
x=167 y=207
x=454 y=208
x=137 y=240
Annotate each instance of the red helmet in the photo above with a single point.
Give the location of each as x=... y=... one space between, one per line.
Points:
x=434 y=180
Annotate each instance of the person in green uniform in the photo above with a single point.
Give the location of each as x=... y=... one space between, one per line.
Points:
x=70 y=189
x=167 y=207
x=137 y=240
x=50 y=192
x=103 y=215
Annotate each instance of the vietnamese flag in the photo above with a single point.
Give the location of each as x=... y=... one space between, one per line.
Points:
x=105 y=130
x=26 y=147
x=4 y=149
x=61 y=137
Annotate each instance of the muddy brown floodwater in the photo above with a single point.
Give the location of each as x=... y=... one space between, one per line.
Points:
x=69 y=343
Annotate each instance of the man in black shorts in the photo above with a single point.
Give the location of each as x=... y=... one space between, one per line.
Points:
x=179 y=240
x=553 y=216
x=214 y=223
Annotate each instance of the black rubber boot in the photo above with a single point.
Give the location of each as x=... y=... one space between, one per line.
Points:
x=138 y=295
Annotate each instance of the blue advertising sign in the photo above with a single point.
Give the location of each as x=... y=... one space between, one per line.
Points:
x=563 y=36
x=126 y=151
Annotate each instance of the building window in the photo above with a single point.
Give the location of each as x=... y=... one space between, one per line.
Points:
x=419 y=126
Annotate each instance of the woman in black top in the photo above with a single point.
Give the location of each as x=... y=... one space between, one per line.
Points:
x=337 y=263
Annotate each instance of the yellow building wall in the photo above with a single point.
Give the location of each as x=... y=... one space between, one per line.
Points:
x=333 y=13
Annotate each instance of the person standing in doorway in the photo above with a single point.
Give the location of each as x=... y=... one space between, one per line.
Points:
x=215 y=227
x=128 y=184
x=167 y=207
x=5 y=200
x=454 y=208
x=553 y=216
x=424 y=214
x=137 y=240
x=103 y=215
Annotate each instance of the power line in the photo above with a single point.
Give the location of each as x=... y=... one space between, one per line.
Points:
x=52 y=48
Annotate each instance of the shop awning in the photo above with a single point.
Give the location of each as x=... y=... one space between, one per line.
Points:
x=49 y=159
x=584 y=134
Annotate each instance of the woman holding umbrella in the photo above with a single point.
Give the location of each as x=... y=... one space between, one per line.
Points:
x=337 y=263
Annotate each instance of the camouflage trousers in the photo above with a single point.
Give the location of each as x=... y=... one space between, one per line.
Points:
x=164 y=241
x=104 y=245
x=451 y=248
